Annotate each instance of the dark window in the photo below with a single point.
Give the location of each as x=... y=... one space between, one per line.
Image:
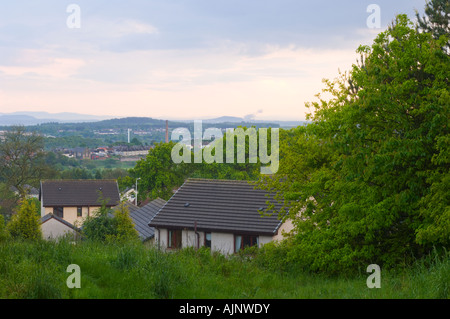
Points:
x=58 y=211
x=79 y=211
x=208 y=240
x=242 y=241
x=174 y=240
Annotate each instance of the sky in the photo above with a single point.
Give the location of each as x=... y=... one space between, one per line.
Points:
x=182 y=59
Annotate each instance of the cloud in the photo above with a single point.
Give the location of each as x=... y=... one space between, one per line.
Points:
x=60 y=68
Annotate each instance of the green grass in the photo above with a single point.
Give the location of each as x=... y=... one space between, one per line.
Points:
x=38 y=270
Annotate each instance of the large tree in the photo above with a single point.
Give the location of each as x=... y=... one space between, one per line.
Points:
x=367 y=181
x=21 y=159
x=158 y=174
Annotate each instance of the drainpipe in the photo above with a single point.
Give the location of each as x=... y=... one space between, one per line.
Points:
x=159 y=238
x=198 y=235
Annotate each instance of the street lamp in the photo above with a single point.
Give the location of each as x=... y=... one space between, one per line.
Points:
x=135 y=198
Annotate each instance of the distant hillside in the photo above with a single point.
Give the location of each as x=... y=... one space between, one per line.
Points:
x=233 y=119
x=21 y=120
x=225 y=119
x=34 y=118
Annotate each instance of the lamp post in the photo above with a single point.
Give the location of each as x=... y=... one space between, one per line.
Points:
x=135 y=198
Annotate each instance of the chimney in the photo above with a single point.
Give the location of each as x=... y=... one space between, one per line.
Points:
x=167 y=131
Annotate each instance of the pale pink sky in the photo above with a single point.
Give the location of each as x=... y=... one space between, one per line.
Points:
x=178 y=60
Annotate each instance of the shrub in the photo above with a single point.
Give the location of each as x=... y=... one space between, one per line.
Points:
x=25 y=223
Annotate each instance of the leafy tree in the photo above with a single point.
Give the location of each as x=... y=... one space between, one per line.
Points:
x=99 y=226
x=159 y=174
x=135 y=141
x=110 y=225
x=8 y=201
x=367 y=181
x=21 y=156
x=436 y=20
x=233 y=168
x=76 y=173
x=25 y=223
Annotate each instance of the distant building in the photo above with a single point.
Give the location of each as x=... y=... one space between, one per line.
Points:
x=81 y=152
x=131 y=150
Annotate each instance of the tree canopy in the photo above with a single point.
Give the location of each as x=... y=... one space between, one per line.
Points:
x=367 y=181
x=436 y=20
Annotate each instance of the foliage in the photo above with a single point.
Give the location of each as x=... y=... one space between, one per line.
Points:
x=21 y=159
x=159 y=174
x=99 y=226
x=368 y=180
x=124 y=225
x=25 y=223
x=8 y=201
x=4 y=233
x=131 y=271
x=436 y=20
x=110 y=225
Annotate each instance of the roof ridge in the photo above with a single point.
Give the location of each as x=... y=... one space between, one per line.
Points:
x=79 y=180
x=220 y=180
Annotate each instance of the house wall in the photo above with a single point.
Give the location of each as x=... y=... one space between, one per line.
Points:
x=70 y=213
x=221 y=242
x=285 y=228
x=53 y=228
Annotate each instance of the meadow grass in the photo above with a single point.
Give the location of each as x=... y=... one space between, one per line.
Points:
x=135 y=271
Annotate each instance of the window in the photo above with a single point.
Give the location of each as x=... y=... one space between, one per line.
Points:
x=174 y=238
x=58 y=211
x=79 y=211
x=208 y=240
x=243 y=241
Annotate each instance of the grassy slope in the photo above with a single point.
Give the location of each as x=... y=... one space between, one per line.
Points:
x=38 y=270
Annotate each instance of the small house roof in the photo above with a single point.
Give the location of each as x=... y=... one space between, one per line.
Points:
x=79 y=192
x=65 y=222
x=221 y=206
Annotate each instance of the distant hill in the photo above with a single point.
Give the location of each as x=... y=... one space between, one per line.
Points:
x=225 y=119
x=67 y=118
x=233 y=119
x=34 y=118
x=20 y=120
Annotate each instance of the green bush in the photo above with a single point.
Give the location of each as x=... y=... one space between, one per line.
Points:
x=109 y=225
x=25 y=223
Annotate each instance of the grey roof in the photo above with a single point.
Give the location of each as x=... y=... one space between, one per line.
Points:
x=219 y=205
x=78 y=192
x=65 y=222
x=144 y=215
x=141 y=216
